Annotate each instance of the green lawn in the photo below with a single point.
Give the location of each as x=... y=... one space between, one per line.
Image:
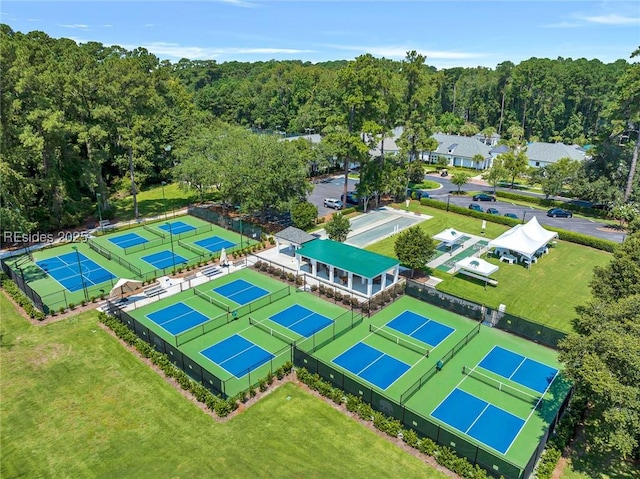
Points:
x=151 y=203
x=547 y=293
x=75 y=403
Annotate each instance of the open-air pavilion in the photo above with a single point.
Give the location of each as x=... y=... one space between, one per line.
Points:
x=450 y=238
x=477 y=268
x=352 y=268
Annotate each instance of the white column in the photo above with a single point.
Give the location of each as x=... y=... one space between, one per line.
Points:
x=277 y=245
x=298 y=262
x=314 y=267
x=330 y=267
x=369 y=287
x=350 y=280
x=396 y=273
x=383 y=281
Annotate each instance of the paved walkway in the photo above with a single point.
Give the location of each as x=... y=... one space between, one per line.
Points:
x=467 y=248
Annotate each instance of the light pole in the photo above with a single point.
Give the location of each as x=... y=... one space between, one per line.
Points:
x=164 y=200
x=84 y=287
x=173 y=256
x=448 y=198
x=241 y=244
x=99 y=197
x=524 y=214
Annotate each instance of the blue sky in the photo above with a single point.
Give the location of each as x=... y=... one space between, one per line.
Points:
x=449 y=33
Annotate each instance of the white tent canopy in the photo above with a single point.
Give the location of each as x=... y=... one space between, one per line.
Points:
x=124 y=286
x=449 y=236
x=476 y=265
x=524 y=239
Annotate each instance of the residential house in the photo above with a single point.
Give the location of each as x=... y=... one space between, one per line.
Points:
x=543 y=154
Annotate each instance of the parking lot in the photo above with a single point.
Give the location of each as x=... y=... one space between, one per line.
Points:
x=333 y=187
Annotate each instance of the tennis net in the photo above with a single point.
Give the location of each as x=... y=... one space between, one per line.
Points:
x=211 y=300
x=388 y=335
x=191 y=248
x=155 y=231
x=271 y=331
x=505 y=388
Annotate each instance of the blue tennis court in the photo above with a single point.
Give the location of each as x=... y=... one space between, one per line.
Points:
x=241 y=291
x=372 y=365
x=176 y=227
x=423 y=329
x=164 y=259
x=177 y=318
x=301 y=320
x=71 y=270
x=214 y=243
x=128 y=240
x=520 y=369
x=479 y=419
x=237 y=355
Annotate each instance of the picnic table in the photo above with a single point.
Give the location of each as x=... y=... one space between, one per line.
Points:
x=508 y=258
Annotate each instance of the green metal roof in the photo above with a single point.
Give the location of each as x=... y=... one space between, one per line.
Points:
x=348 y=258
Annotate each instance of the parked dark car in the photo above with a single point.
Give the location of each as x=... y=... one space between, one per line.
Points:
x=493 y=211
x=511 y=215
x=483 y=197
x=559 y=213
x=476 y=207
x=352 y=199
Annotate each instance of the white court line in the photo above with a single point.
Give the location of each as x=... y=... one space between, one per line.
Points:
x=532 y=411
x=372 y=362
x=524 y=358
x=253 y=345
x=476 y=419
x=172 y=319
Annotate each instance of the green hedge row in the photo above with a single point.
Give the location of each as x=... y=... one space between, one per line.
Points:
x=571 y=236
x=445 y=456
x=550 y=203
x=19 y=297
x=214 y=403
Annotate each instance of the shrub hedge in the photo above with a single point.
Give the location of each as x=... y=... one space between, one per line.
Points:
x=571 y=236
x=392 y=427
x=19 y=297
x=214 y=403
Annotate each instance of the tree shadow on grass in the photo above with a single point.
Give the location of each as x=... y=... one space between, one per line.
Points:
x=602 y=464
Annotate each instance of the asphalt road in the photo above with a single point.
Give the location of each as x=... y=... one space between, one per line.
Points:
x=579 y=225
x=333 y=188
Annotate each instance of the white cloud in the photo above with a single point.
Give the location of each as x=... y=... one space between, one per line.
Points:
x=79 y=26
x=611 y=19
x=107 y=25
x=563 y=24
x=179 y=51
x=149 y=25
x=239 y=3
x=33 y=19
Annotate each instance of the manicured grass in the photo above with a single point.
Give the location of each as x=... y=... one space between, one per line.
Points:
x=75 y=403
x=547 y=293
x=151 y=203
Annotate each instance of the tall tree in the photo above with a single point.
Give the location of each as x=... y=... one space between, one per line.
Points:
x=414 y=248
x=602 y=356
x=338 y=227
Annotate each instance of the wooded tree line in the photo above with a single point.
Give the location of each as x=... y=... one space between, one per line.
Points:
x=82 y=122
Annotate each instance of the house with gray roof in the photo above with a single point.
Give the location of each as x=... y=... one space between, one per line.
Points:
x=460 y=150
x=544 y=154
